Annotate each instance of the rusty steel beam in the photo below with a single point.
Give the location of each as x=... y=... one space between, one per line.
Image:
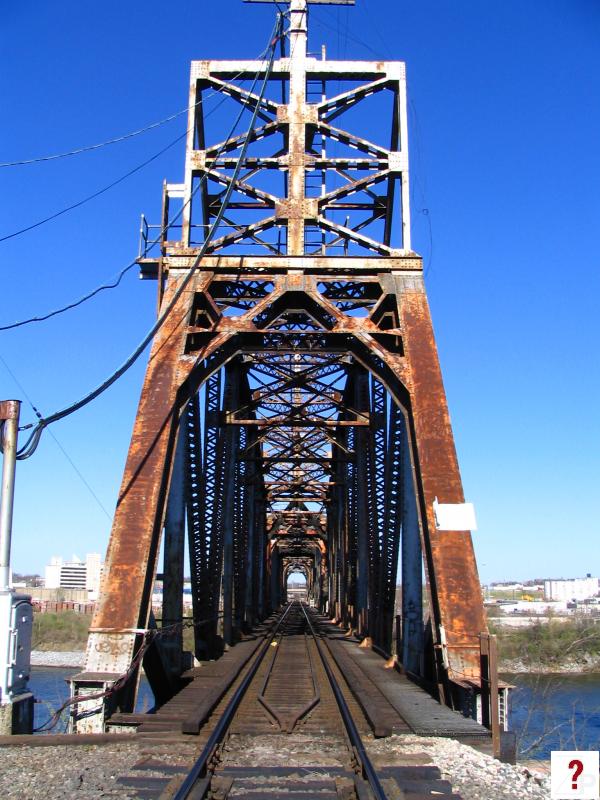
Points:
x=317 y=431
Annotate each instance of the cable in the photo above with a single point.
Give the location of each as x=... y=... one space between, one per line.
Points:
x=120 y=275
x=349 y=36
x=75 y=303
x=116 y=282
x=115 y=140
x=90 y=147
x=110 y=185
x=95 y=194
x=58 y=444
x=150 y=635
x=31 y=445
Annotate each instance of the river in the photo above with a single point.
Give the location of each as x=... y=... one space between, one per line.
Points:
x=548 y=712
x=50 y=690
x=555 y=712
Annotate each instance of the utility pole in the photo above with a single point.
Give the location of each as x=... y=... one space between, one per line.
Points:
x=16 y=615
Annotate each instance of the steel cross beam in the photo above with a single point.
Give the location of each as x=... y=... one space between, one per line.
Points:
x=296 y=218
x=303 y=386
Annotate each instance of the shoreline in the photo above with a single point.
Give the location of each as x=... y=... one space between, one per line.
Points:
x=518 y=667
x=76 y=658
x=57 y=658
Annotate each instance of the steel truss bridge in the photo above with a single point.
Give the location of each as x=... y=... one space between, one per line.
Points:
x=293 y=417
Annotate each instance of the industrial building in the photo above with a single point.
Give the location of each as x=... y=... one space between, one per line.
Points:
x=75 y=574
x=573 y=589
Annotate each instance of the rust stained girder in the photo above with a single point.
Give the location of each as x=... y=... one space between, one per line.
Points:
x=300 y=330
x=124 y=605
x=452 y=570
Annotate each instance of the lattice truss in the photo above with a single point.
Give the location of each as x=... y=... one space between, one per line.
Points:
x=326 y=171
x=301 y=449
x=300 y=359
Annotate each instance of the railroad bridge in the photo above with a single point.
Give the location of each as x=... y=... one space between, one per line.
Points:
x=292 y=419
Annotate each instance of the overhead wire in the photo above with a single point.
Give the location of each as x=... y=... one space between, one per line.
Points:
x=120 y=275
x=416 y=183
x=115 y=140
x=88 y=148
x=58 y=444
x=95 y=194
x=104 y=189
x=32 y=442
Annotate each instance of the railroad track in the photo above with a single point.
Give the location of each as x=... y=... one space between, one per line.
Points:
x=288 y=727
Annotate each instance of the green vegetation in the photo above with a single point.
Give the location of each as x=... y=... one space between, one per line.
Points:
x=68 y=630
x=527 y=593
x=65 y=630
x=549 y=643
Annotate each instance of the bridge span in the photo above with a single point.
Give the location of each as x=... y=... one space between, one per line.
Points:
x=292 y=421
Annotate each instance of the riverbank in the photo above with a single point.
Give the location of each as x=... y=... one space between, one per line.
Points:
x=584 y=665
x=567 y=647
x=57 y=658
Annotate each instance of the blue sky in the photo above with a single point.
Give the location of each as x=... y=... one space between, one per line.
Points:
x=505 y=167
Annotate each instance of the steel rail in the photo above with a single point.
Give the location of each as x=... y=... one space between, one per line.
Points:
x=200 y=766
x=368 y=769
x=288 y=722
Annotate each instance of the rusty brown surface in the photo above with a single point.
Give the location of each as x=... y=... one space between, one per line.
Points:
x=134 y=538
x=398 y=335
x=454 y=578
x=9 y=409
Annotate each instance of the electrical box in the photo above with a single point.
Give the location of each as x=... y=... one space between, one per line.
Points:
x=15 y=639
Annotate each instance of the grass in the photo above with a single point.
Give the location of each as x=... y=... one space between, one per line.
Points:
x=548 y=643
x=65 y=630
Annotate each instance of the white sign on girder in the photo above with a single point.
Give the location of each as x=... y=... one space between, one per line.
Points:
x=454 y=516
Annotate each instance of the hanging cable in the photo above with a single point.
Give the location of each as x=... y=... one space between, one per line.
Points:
x=31 y=445
x=92 y=196
x=120 y=275
x=77 y=151
x=102 y=191
x=58 y=444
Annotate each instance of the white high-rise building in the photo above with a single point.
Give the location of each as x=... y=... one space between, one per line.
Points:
x=93 y=571
x=75 y=574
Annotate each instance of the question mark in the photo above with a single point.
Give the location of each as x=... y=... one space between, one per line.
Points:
x=577 y=765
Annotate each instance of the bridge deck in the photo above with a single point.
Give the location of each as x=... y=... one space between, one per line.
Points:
x=390 y=701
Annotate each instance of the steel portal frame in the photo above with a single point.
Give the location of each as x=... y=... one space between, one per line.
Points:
x=293 y=403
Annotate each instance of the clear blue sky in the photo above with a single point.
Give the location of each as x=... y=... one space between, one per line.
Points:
x=504 y=145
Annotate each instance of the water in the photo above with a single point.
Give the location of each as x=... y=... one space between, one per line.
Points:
x=555 y=712
x=50 y=690
x=548 y=712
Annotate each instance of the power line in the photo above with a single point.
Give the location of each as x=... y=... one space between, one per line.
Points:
x=81 y=477
x=92 y=196
x=117 y=139
x=111 y=185
x=58 y=444
x=351 y=37
x=74 y=303
x=116 y=282
x=30 y=446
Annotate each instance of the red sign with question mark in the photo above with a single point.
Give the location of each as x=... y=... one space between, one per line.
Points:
x=577 y=766
x=574 y=774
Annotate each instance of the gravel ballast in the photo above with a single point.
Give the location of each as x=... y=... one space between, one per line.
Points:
x=474 y=775
x=90 y=772
x=85 y=772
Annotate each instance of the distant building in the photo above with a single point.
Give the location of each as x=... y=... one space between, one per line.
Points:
x=75 y=574
x=572 y=589
x=506 y=586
